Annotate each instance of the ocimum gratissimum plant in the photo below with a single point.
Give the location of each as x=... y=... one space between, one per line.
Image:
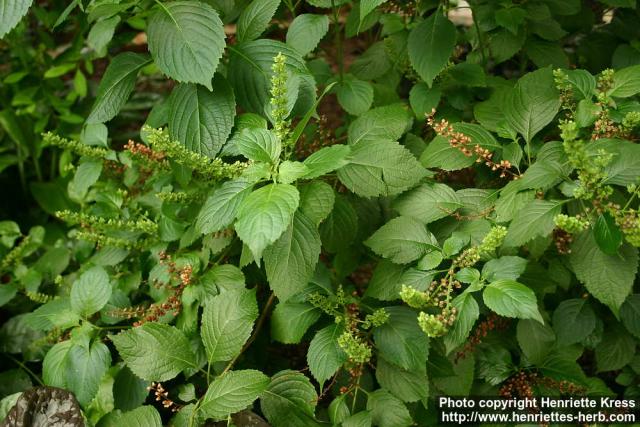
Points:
x=316 y=212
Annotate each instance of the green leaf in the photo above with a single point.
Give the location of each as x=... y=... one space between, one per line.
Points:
x=533 y=103
x=260 y=145
x=428 y=202
x=408 y=386
x=583 y=82
x=249 y=73
x=306 y=31
x=506 y=267
x=85 y=367
x=424 y=99
x=291 y=320
x=227 y=322
x=116 y=86
x=430 y=45
x=290 y=171
x=536 y=340
x=186 y=40
x=401 y=341
x=511 y=18
x=615 y=351
x=534 y=220
x=630 y=314
x=143 y=416
x=291 y=260
x=326 y=160
x=380 y=168
x=232 y=392
x=440 y=154
x=361 y=419
x=255 y=18
x=609 y=278
x=383 y=123
x=511 y=299
x=316 y=200
x=54 y=365
x=325 y=356
x=573 y=321
x=90 y=292
x=367 y=6
x=265 y=214
x=11 y=12
x=387 y=410
x=468 y=313
x=200 y=119
x=542 y=175
x=626 y=82
x=402 y=240
x=290 y=400
x=154 y=351
x=220 y=209
x=339 y=229
x=607 y=234
x=354 y=95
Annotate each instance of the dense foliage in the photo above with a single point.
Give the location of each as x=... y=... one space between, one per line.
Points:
x=317 y=212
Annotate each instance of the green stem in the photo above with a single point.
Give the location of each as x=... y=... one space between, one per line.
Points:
x=480 y=42
x=26 y=369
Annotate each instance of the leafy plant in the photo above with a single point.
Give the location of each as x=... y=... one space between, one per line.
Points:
x=393 y=203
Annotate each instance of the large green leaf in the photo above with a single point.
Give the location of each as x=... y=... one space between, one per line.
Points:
x=231 y=392
x=186 y=40
x=428 y=202
x=249 y=73
x=533 y=103
x=440 y=154
x=408 y=386
x=326 y=160
x=402 y=240
x=382 y=123
x=306 y=31
x=430 y=45
x=11 y=12
x=573 y=321
x=54 y=365
x=265 y=214
x=142 y=416
x=116 y=86
x=260 y=145
x=325 y=356
x=616 y=349
x=90 y=292
x=339 y=229
x=533 y=220
x=387 y=410
x=316 y=200
x=609 y=278
x=85 y=366
x=380 y=168
x=354 y=95
x=227 y=322
x=536 y=339
x=512 y=299
x=401 y=341
x=220 y=209
x=630 y=314
x=154 y=351
x=255 y=18
x=468 y=313
x=290 y=400
x=200 y=119
x=291 y=260
x=626 y=82
x=291 y=320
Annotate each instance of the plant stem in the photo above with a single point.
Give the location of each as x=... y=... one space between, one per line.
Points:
x=338 y=39
x=26 y=369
